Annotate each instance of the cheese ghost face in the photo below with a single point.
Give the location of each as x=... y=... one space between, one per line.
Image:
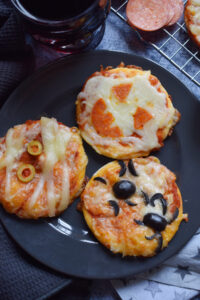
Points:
x=125 y=112
x=133 y=207
x=42 y=168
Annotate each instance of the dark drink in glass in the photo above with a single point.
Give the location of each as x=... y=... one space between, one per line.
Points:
x=66 y=25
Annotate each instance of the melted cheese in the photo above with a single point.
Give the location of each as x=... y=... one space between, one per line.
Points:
x=65 y=188
x=196 y=2
x=55 y=139
x=151 y=180
x=193 y=10
x=142 y=94
x=14 y=148
x=36 y=193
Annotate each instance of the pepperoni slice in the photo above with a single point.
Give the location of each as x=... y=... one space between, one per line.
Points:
x=153 y=80
x=148 y=15
x=177 y=8
x=141 y=117
x=121 y=91
x=134 y=134
x=102 y=120
x=160 y=136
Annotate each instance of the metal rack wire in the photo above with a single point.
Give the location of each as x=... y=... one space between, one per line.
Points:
x=172 y=42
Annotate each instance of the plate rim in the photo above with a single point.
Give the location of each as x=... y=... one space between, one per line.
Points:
x=55 y=63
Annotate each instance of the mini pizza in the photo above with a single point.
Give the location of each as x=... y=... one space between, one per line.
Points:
x=133 y=207
x=42 y=168
x=192 y=19
x=125 y=112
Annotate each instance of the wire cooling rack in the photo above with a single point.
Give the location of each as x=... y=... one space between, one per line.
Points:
x=172 y=42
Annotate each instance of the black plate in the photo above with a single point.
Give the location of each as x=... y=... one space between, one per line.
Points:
x=64 y=243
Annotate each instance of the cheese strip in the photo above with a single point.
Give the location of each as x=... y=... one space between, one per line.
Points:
x=14 y=148
x=55 y=141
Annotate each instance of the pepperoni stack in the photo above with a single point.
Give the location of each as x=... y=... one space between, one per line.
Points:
x=151 y=15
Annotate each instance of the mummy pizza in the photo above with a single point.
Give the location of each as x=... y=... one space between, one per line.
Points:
x=192 y=19
x=133 y=207
x=42 y=168
x=125 y=112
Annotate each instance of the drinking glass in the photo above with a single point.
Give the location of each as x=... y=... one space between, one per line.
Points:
x=70 y=34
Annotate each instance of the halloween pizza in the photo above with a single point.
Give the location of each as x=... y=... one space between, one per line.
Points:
x=133 y=207
x=192 y=19
x=42 y=168
x=125 y=112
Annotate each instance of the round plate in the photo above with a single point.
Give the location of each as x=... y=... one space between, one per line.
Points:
x=64 y=243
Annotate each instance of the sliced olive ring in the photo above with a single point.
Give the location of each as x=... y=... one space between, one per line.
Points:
x=159 y=197
x=132 y=168
x=115 y=206
x=100 y=179
x=146 y=198
x=123 y=168
x=130 y=203
x=34 y=148
x=26 y=173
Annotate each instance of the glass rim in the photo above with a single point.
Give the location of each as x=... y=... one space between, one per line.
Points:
x=44 y=21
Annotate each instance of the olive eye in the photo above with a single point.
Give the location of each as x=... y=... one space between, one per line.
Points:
x=155 y=221
x=124 y=189
x=34 y=148
x=26 y=172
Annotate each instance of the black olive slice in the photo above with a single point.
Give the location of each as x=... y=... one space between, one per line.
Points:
x=160 y=243
x=132 y=168
x=159 y=237
x=115 y=206
x=156 y=197
x=159 y=197
x=100 y=179
x=155 y=221
x=124 y=189
x=149 y=238
x=146 y=198
x=123 y=168
x=130 y=203
x=175 y=215
x=138 y=222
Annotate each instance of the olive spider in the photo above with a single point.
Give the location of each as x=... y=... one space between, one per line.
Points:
x=124 y=189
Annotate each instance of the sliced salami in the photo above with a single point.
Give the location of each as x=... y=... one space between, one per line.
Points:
x=148 y=15
x=177 y=7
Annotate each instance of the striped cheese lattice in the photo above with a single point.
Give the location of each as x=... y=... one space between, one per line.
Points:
x=55 y=140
